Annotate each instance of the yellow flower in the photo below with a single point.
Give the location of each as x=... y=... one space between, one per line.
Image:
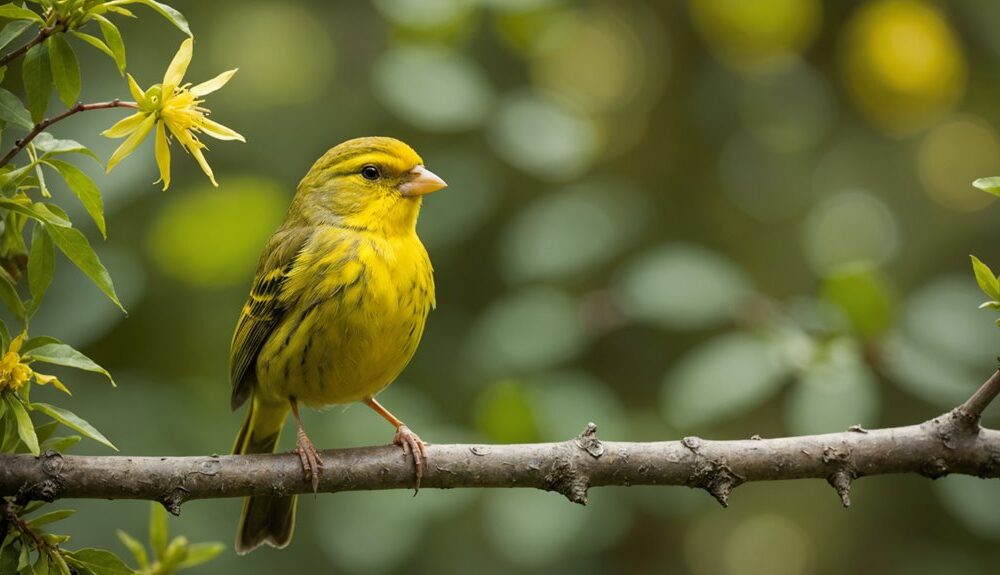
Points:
x=15 y=372
x=174 y=107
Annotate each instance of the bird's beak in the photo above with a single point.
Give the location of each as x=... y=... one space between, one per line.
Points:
x=421 y=181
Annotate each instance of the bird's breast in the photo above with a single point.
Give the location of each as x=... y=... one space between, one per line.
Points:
x=357 y=324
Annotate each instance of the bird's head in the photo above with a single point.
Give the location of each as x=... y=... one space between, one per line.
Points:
x=373 y=183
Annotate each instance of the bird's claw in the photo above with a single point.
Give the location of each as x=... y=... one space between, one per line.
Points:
x=412 y=445
x=311 y=463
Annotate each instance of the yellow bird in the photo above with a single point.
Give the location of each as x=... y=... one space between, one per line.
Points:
x=335 y=312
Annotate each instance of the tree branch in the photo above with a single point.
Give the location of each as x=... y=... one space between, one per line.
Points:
x=40 y=126
x=933 y=449
x=950 y=443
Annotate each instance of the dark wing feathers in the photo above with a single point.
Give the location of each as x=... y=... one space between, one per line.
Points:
x=263 y=309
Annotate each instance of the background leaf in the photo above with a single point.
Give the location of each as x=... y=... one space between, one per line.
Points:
x=99 y=562
x=113 y=38
x=62 y=354
x=15 y=12
x=41 y=266
x=72 y=421
x=12 y=30
x=990 y=185
x=65 y=69
x=171 y=14
x=25 y=429
x=36 y=73
x=12 y=110
x=85 y=189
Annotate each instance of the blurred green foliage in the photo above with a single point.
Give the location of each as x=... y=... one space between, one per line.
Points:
x=708 y=217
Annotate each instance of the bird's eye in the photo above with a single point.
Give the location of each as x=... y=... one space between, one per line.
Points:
x=370 y=172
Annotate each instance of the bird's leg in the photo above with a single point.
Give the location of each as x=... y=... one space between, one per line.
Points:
x=405 y=438
x=311 y=462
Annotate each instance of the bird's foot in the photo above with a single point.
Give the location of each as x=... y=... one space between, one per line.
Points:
x=412 y=445
x=311 y=463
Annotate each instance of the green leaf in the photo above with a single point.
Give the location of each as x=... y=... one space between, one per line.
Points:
x=65 y=69
x=157 y=529
x=990 y=185
x=37 y=341
x=73 y=421
x=60 y=563
x=41 y=566
x=138 y=550
x=85 y=189
x=11 y=31
x=93 y=41
x=51 y=517
x=15 y=12
x=62 y=354
x=60 y=444
x=36 y=73
x=9 y=295
x=12 y=110
x=986 y=279
x=113 y=39
x=171 y=14
x=199 y=553
x=48 y=145
x=41 y=266
x=25 y=429
x=99 y=562
x=45 y=430
x=4 y=336
x=76 y=247
x=11 y=179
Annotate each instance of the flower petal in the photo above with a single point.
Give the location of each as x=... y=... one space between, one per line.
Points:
x=163 y=155
x=133 y=141
x=213 y=84
x=43 y=379
x=193 y=145
x=219 y=132
x=15 y=344
x=179 y=65
x=125 y=126
x=134 y=88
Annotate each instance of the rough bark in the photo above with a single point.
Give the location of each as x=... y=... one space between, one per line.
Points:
x=951 y=443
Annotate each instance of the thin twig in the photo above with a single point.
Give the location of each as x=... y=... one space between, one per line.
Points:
x=973 y=407
x=43 y=33
x=40 y=126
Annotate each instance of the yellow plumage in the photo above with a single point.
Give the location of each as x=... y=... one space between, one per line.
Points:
x=336 y=309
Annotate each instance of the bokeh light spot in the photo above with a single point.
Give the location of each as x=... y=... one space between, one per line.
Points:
x=433 y=88
x=591 y=58
x=903 y=64
x=682 y=286
x=527 y=330
x=208 y=237
x=537 y=134
x=572 y=231
x=752 y=36
x=850 y=227
x=952 y=155
x=266 y=79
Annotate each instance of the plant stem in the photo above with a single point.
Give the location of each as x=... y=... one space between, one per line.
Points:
x=975 y=405
x=37 y=129
x=43 y=33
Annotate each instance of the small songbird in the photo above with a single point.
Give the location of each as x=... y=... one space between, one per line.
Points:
x=335 y=312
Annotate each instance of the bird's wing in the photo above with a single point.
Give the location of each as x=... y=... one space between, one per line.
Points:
x=263 y=309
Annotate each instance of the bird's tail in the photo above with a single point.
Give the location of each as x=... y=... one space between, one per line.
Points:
x=265 y=519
